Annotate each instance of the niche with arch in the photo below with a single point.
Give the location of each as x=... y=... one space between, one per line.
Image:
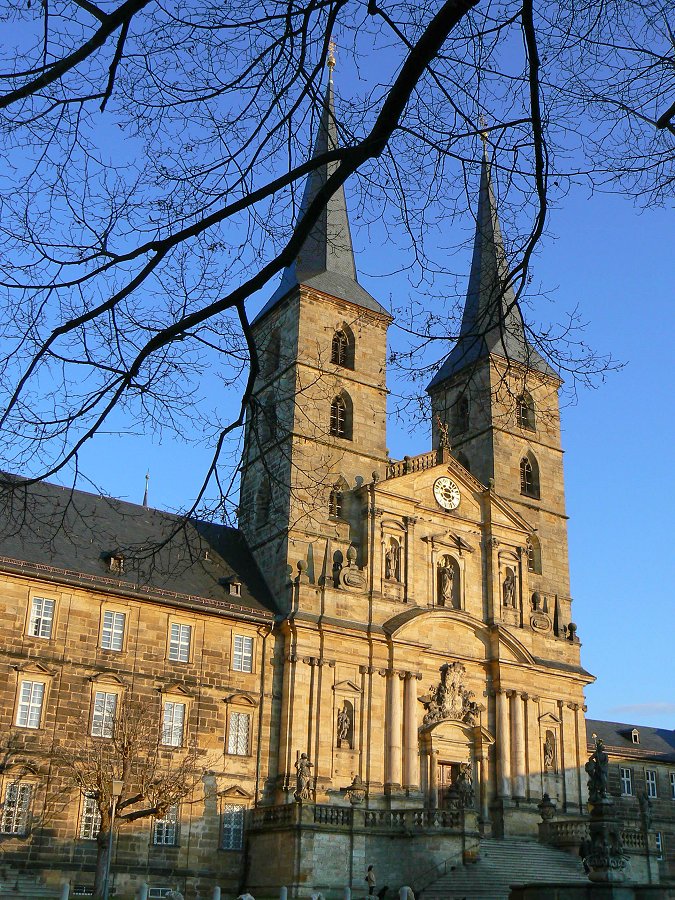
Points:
x=448 y=587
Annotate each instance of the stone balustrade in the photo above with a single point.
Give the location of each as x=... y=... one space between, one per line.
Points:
x=569 y=833
x=413 y=464
x=332 y=817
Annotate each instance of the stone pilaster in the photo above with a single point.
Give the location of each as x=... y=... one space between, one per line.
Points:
x=411 y=765
x=393 y=731
x=503 y=745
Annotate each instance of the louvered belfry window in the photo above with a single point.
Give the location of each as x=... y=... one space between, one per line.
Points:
x=338 y=418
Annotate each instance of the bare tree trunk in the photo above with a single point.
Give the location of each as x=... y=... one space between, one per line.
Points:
x=101 y=863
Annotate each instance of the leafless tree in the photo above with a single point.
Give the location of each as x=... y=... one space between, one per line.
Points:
x=153 y=779
x=155 y=158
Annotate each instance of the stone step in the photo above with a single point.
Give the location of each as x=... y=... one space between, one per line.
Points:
x=501 y=864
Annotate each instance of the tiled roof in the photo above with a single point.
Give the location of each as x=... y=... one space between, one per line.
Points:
x=57 y=533
x=655 y=743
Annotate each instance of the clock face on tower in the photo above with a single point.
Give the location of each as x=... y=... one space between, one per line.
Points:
x=446 y=493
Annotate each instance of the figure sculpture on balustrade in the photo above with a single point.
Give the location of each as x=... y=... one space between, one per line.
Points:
x=464 y=784
x=597 y=769
x=303 y=778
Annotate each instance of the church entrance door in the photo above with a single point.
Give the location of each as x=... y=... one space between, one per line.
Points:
x=447 y=775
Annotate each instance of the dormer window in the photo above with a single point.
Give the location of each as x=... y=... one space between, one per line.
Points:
x=635 y=736
x=233 y=586
x=115 y=563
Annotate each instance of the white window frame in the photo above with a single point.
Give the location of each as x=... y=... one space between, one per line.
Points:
x=239 y=734
x=16 y=807
x=173 y=723
x=650 y=783
x=672 y=785
x=104 y=713
x=232 y=826
x=90 y=819
x=180 y=641
x=30 y=704
x=626 y=776
x=243 y=648
x=165 y=830
x=41 y=620
x=659 y=845
x=113 y=628
x=158 y=893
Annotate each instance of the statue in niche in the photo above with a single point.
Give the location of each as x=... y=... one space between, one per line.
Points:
x=549 y=752
x=303 y=778
x=509 y=588
x=446 y=572
x=392 y=557
x=464 y=784
x=344 y=726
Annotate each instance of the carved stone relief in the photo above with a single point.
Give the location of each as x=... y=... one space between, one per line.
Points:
x=450 y=699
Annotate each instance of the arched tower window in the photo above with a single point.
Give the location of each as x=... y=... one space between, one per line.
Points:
x=342 y=348
x=263 y=503
x=461 y=420
x=533 y=555
x=268 y=421
x=335 y=503
x=272 y=353
x=525 y=411
x=529 y=476
x=341 y=416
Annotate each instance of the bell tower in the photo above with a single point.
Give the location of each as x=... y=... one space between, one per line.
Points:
x=497 y=398
x=316 y=425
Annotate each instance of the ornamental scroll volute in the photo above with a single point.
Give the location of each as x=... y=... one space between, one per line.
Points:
x=450 y=699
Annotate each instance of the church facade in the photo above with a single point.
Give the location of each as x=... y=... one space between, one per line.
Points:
x=380 y=667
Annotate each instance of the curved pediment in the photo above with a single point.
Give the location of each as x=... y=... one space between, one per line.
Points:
x=395 y=626
x=449 y=728
x=509 y=641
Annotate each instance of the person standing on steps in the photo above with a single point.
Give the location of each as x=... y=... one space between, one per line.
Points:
x=371 y=881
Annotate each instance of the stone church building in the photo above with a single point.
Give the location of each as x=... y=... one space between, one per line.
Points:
x=381 y=667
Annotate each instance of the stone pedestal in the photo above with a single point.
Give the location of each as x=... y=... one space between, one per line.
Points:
x=592 y=892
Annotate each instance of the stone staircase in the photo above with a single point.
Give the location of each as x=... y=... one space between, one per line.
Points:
x=23 y=886
x=502 y=863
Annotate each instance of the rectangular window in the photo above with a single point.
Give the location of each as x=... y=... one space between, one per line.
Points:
x=232 y=835
x=237 y=738
x=165 y=831
x=31 y=695
x=112 y=635
x=16 y=808
x=90 y=823
x=243 y=654
x=158 y=893
x=672 y=785
x=650 y=781
x=41 y=618
x=659 y=845
x=103 y=719
x=179 y=644
x=626 y=782
x=173 y=723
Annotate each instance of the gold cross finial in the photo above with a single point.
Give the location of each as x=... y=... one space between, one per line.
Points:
x=483 y=128
x=330 y=61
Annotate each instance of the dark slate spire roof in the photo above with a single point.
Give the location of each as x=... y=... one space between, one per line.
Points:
x=326 y=260
x=492 y=321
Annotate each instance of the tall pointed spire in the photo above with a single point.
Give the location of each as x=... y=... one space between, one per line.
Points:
x=145 y=495
x=326 y=259
x=492 y=322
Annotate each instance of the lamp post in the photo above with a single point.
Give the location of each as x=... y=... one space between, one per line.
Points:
x=116 y=792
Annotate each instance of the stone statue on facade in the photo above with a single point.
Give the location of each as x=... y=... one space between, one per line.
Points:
x=597 y=769
x=549 y=752
x=645 y=810
x=344 y=724
x=509 y=588
x=447 y=579
x=449 y=699
x=392 y=562
x=464 y=784
x=303 y=778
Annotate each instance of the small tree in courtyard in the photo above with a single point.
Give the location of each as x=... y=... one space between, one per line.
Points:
x=153 y=780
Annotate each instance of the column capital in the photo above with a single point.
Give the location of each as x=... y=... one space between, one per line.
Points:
x=510 y=692
x=534 y=699
x=573 y=706
x=367 y=670
x=417 y=676
x=291 y=657
x=525 y=696
x=410 y=521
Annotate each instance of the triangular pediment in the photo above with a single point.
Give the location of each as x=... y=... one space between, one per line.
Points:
x=417 y=486
x=176 y=688
x=34 y=668
x=346 y=687
x=235 y=793
x=548 y=718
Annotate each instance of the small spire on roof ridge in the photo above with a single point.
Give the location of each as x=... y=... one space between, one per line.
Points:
x=145 y=495
x=482 y=122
